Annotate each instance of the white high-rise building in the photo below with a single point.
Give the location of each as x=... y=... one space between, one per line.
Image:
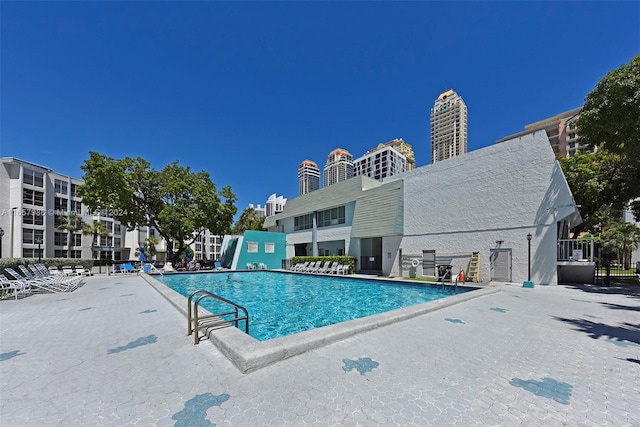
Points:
x=275 y=205
x=308 y=177
x=380 y=163
x=448 y=127
x=339 y=167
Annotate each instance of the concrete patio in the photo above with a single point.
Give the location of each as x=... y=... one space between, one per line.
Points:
x=115 y=352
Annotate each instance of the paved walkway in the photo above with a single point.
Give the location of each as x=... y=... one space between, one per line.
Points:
x=115 y=352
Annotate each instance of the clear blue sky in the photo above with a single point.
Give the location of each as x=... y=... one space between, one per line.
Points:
x=247 y=90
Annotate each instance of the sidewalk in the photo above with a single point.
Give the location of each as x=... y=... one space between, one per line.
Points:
x=115 y=352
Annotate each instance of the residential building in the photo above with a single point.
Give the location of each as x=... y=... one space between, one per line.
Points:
x=339 y=167
x=381 y=162
x=434 y=215
x=561 y=131
x=35 y=202
x=448 y=127
x=308 y=177
x=275 y=205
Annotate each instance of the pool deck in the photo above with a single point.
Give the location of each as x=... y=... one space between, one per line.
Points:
x=115 y=352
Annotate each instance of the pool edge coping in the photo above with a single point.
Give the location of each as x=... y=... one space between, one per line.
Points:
x=249 y=354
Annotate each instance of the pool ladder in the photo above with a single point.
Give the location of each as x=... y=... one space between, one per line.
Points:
x=215 y=320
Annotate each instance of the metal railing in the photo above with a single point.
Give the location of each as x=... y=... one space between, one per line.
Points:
x=575 y=250
x=215 y=320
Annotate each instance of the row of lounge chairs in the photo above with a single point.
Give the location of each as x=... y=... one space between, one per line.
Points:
x=37 y=279
x=321 y=267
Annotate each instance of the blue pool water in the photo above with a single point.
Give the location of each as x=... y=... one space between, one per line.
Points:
x=283 y=303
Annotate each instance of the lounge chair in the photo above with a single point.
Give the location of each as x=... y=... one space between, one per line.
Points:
x=313 y=267
x=333 y=268
x=12 y=288
x=37 y=285
x=217 y=266
x=81 y=271
x=40 y=272
x=301 y=266
x=68 y=271
x=168 y=268
x=325 y=268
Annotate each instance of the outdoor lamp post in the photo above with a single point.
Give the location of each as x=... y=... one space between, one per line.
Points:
x=528 y=283
x=39 y=242
x=1 y=234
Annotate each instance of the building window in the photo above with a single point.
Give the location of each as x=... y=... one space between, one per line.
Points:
x=60 y=204
x=60 y=186
x=333 y=216
x=74 y=190
x=152 y=232
x=76 y=239
x=33 y=178
x=269 y=247
x=60 y=239
x=117 y=242
x=252 y=247
x=32 y=236
x=304 y=222
x=76 y=206
x=117 y=229
x=199 y=247
x=32 y=217
x=30 y=253
x=32 y=197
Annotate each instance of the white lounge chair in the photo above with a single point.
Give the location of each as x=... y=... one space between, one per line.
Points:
x=81 y=271
x=12 y=288
x=37 y=284
x=326 y=266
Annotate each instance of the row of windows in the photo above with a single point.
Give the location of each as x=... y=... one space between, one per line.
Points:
x=58 y=253
x=269 y=247
x=326 y=218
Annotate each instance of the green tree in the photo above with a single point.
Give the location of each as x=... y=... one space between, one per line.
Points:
x=179 y=203
x=248 y=221
x=599 y=182
x=71 y=223
x=95 y=230
x=621 y=238
x=610 y=121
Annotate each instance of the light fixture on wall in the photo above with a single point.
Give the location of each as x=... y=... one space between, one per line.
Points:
x=499 y=242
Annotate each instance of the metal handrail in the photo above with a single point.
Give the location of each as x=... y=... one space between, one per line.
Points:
x=196 y=322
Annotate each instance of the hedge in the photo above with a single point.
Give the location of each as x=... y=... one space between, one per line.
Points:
x=49 y=262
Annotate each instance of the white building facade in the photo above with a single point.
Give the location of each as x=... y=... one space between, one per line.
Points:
x=380 y=163
x=484 y=203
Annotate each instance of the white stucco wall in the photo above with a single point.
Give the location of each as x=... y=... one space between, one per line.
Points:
x=499 y=193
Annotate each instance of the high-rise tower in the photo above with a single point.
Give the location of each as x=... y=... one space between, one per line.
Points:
x=448 y=127
x=308 y=177
x=381 y=162
x=339 y=167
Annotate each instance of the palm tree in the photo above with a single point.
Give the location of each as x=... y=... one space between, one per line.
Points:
x=97 y=229
x=71 y=223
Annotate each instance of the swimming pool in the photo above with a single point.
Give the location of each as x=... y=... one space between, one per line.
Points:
x=281 y=304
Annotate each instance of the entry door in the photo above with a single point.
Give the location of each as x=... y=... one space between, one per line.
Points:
x=500 y=265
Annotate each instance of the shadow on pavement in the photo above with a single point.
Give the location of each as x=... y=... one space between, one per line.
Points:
x=628 y=332
x=620 y=289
